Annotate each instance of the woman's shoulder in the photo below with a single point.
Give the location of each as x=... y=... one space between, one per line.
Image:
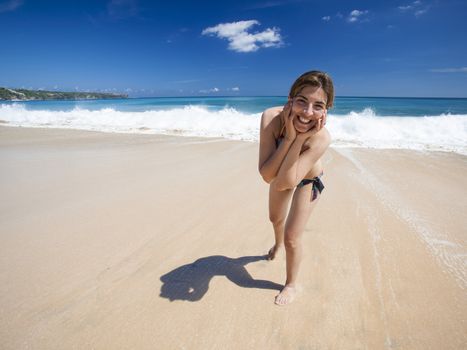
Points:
x=270 y=115
x=273 y=111
x=322 y=137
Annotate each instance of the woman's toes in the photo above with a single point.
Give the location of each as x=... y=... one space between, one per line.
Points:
x=286 y=296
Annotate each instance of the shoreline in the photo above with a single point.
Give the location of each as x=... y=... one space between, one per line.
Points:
x=145 y=131
x=116 y=240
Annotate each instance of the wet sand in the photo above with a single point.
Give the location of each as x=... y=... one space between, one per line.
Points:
x=120 y=241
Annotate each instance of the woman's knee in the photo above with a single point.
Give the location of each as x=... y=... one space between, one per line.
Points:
x=291 y=240
x=276 y=219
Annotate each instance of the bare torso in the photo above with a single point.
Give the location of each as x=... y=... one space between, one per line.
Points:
x=318 y=166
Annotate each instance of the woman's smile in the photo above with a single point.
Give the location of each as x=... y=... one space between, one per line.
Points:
x=303 y=120
x=303 y=125
x=308 y=105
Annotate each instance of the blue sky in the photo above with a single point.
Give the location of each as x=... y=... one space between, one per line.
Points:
x=244 y=48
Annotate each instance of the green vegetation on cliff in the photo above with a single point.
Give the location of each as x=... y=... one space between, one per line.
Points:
x=25 y=95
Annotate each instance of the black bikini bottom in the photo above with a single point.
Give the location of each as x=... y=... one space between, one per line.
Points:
x=318 y=185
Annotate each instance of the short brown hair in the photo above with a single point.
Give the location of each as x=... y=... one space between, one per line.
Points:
x=314 y=78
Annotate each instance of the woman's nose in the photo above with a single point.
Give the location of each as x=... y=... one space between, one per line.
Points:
x=308 y=109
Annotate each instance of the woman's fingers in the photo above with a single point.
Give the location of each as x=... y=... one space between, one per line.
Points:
x=291 y=117
x=324 y=118
x=286 y=112
x=290 y=127
x=288 y=109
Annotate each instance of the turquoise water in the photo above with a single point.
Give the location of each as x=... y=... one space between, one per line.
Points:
x=381 y=106
x=409 y=123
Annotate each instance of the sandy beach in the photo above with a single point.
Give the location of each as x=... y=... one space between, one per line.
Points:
x=124 y=241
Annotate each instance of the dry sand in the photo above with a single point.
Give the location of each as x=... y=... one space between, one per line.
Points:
x=119 y=241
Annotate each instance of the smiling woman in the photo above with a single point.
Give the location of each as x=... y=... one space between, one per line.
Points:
x=309 y=106
x=292 y=160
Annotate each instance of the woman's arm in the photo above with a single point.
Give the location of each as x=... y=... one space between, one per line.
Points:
x=271 y=156
x=295 y=165
x=271 y=166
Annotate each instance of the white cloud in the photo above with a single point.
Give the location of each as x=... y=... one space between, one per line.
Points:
x=204 y=91
x=326 y=18
x=405 y=8
x=240 y=40
x=421 y=11
x=356 y=15
x=416 y=7
x=236 y=88
x=10 y=5
x=449 y=70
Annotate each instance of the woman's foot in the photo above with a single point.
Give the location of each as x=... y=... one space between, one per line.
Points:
x=273 y=251
x=286 y=296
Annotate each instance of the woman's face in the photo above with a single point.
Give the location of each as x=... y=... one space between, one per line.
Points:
x=309 y=106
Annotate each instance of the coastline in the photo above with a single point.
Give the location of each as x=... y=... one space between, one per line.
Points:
x=7 y=94
x=137 y=241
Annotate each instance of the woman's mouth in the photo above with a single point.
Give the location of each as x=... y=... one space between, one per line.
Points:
x=303 y=125
x=303 y=120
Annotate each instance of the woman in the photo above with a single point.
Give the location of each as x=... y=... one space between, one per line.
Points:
x=292 y=142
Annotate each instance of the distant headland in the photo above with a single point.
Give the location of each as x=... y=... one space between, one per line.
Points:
x=7 y=94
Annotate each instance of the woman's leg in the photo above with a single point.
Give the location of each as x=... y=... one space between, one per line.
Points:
x=278 y=204
x=300 y=211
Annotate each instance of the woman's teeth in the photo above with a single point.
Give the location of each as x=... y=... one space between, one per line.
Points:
x=304 y=121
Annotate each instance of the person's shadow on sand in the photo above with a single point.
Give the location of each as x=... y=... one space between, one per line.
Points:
x=190 y=282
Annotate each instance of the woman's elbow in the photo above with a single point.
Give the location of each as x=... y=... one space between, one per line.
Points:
x=267 y=179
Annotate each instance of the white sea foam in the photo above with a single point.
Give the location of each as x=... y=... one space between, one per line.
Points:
x=356 y=129
x=187 y=121
x=443 y=132
x=449 y=254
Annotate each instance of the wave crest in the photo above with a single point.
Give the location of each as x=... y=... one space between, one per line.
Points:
x=187 y=120
x=356 y=129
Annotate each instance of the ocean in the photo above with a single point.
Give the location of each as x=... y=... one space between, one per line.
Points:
x=429 y=124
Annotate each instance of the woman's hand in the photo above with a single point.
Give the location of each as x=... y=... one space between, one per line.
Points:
x=319 y=125
x=288 y=117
